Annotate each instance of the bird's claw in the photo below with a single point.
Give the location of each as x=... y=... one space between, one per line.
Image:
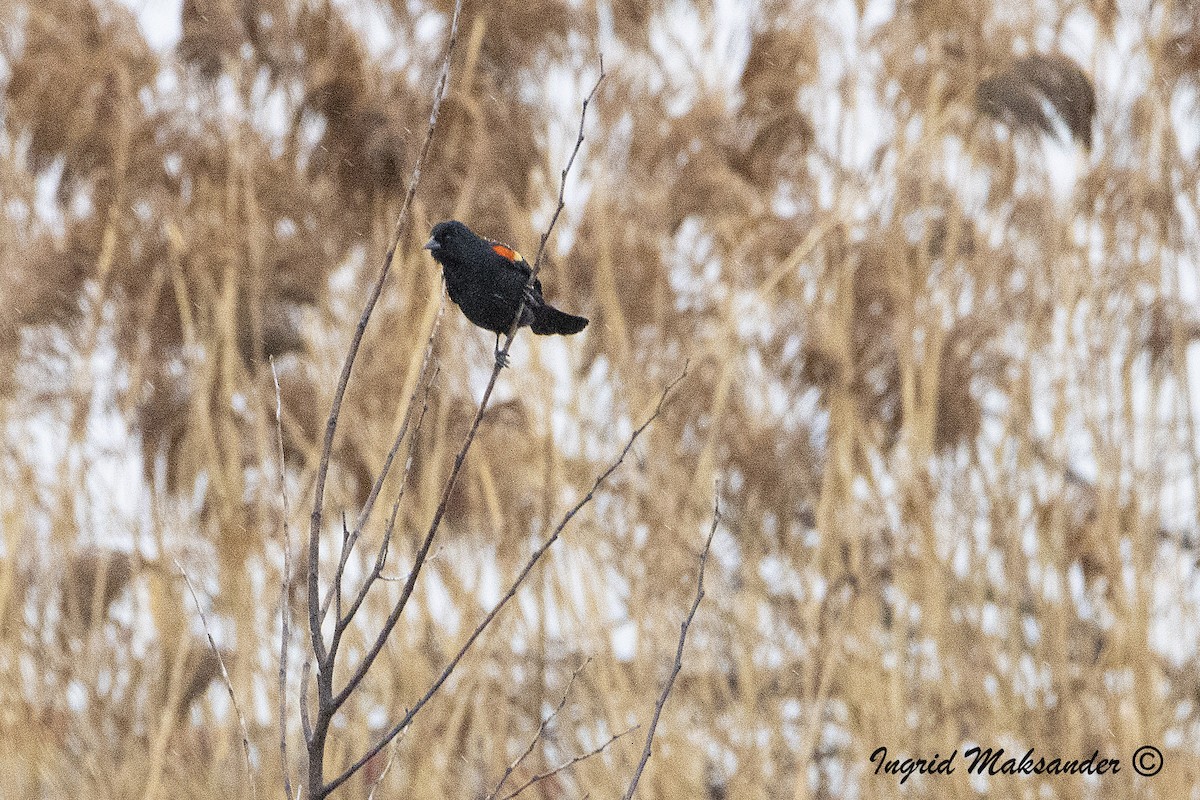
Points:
x=501 y=358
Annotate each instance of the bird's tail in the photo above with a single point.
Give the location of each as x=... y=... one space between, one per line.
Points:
x=548 y=319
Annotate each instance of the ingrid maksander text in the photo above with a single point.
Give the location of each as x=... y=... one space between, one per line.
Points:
x=992 y=761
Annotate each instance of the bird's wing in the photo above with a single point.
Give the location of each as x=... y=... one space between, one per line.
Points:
x=517 y=262
x=512 y=258
x=507 y=252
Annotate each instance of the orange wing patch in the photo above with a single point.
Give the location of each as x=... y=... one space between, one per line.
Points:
x=508 y=252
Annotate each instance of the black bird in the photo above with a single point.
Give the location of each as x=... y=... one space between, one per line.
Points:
x=487 y=280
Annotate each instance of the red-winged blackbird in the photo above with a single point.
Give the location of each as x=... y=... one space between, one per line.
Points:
x=487 y=279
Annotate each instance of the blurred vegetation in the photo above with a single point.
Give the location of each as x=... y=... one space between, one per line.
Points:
x=934 y=267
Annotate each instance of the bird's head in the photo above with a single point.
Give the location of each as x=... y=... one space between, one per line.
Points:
x=445 y=233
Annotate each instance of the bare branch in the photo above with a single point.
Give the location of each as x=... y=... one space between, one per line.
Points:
x=284 y=580
x=314 y=533
x=325 y=707
x=343 y=622
x=551 y=773
x=369 y=505
x=305 y=723
x=502 y=357
x=224 y=677
x=508 y=595
x=423 y=550
x=336 y=586
x=537 y=737
x=386 y=767
x=683 y=630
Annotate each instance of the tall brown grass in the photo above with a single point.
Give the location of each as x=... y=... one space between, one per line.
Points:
x=935 y=274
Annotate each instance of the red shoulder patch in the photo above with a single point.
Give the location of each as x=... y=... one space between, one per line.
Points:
x=507 y=252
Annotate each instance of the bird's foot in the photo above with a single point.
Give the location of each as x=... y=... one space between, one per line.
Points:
x=501 y=358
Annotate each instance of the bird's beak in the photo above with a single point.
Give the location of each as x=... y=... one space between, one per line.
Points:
x=432 y=245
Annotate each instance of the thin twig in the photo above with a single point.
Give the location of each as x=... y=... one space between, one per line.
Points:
x=683 y=631
x=537 y=737
x=426 y=361
x=284 y=582
x=562 y=202
x=508 y=595
x=325 y=666
x=305 y=723
x=336 y=585
x=212 y=643
x=551 y=773
x=343 y=622
x=369 y=505
x=423 y=551
x=389 y=529
x=314 y=533
x=386 y=767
